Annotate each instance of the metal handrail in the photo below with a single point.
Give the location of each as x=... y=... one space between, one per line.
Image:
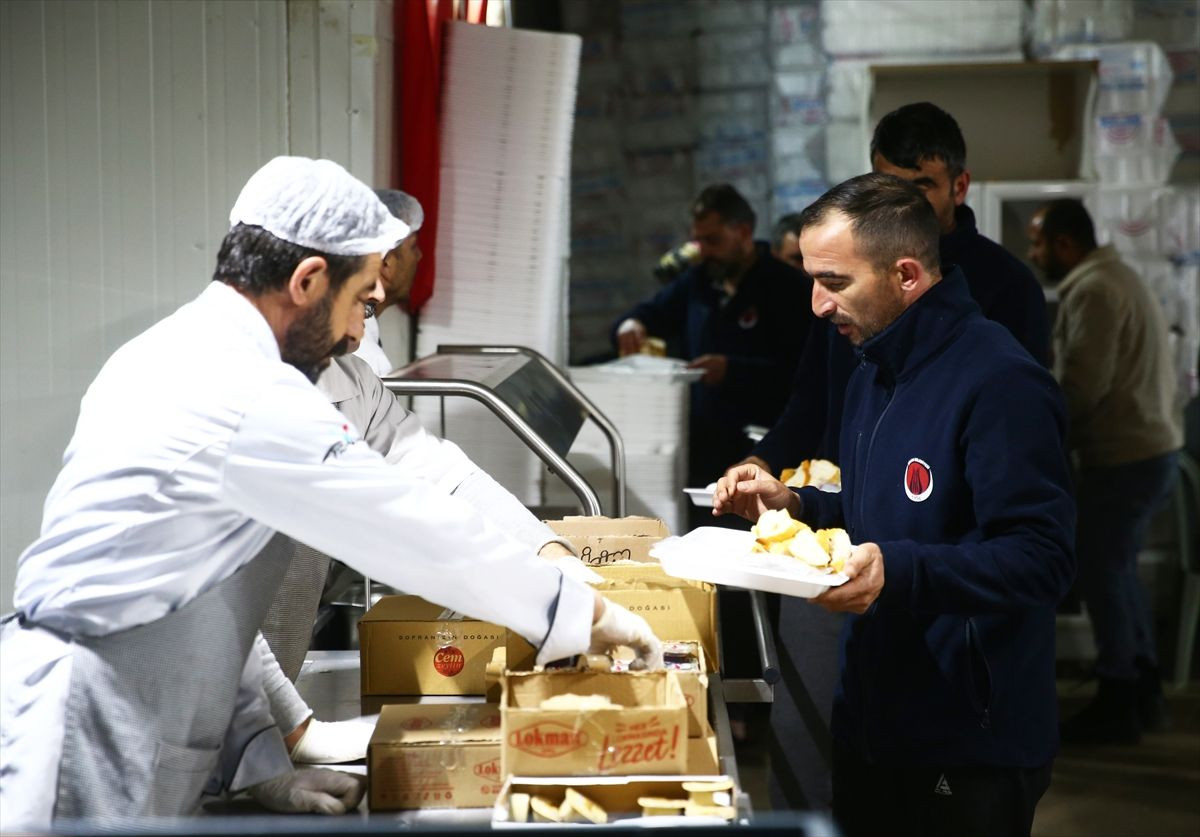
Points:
x=616 y=444
x=558 y=464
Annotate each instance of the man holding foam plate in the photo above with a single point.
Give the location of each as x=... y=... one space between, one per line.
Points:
x=956 y=492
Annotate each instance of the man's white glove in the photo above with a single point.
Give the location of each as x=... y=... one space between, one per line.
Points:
x=617 y=626
x=334 y=742
x=311 y=790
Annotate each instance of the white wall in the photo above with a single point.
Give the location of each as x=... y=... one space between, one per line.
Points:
x=127 y=128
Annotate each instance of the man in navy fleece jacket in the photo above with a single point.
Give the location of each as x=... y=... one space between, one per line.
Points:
x=956 y=490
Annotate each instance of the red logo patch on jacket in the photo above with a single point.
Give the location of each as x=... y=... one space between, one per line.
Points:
x=918 y=480
x=748 y=318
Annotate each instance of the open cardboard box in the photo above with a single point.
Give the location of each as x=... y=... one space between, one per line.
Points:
x=694 y=685
x=675 y=608
x=434 y=755
x=618 y=795
x=604 y=540
x=645 y=731
x=408 y=646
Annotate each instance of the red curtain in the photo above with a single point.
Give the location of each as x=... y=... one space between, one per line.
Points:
x=418 y=37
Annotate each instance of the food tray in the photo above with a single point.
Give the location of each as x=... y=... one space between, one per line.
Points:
x=723 y=556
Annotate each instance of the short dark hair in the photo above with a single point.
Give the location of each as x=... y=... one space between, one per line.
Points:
x=789 y=223
x=727 y=202
x=920 y=131
x=1068 y=217
x=890 y=218
x=255 y=261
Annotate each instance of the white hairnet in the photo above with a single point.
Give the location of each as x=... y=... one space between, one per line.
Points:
x=317 y=204
x=404 y=206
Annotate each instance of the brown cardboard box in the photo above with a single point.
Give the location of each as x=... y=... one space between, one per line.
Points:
x=408 y=646
x=702 y=754
x=675 y=608
x=618 y=795
x=646 y=732
x=435 y=755
x=603 y=540
x=693 y=684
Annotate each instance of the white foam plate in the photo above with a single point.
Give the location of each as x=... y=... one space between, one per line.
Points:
x=723 y=556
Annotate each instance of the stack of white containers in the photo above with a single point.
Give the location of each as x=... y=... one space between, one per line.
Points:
x=859 y=33
x=797 y=107
x=732 y=77
x=1155 y=226
x=507 y=115
x=650 y=410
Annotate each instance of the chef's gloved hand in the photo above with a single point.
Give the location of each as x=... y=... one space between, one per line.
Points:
x=334 y=742
x=311 y=790
x=617 y=626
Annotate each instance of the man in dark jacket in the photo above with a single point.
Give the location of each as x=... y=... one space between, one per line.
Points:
x=921 y=143
x=741 y=316
x=956 y=490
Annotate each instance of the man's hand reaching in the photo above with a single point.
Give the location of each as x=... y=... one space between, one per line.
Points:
x=748 y=491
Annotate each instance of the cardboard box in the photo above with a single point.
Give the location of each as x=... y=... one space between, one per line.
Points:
x=1051 y=101
x=618 y=795
x=603 y=540
x=702 y=754
x=675 y=608
x=693 y=684
x=408 y=646
x=434 y=755
x=645 y=732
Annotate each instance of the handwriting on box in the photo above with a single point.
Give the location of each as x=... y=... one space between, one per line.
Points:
x=647 y=741
x=604 y=556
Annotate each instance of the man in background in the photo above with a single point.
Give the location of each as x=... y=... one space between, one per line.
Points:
x=396 y=273
x=785 y=240
x=741 y=317
x=1113 y=362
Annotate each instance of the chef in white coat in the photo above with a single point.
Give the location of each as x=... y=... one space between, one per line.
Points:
x=398 y=435
x=128 y=685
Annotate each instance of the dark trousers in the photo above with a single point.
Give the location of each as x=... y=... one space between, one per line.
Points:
x=1116 y=505
x=872 y=800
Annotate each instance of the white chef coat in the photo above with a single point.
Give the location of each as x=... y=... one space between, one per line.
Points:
x=396 y=433
x=194 y=442
x=370 y=349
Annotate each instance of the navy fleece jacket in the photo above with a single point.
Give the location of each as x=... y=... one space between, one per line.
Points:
x=953 y=461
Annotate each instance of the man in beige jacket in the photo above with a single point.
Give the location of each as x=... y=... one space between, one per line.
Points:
x=1112 y=360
